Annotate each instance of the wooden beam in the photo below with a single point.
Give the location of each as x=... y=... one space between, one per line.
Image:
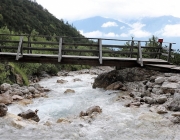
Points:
x=19 y=49
x=100 y=50
x=60 y=50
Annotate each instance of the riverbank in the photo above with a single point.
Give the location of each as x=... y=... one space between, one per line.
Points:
x=124 y=114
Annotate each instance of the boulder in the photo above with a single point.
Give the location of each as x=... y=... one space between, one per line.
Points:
x=90 y=111
x=159 y=80
x=3 y=109
x=17 y=97
x=61 y=81
x=105 y=79
x=161 y=99
x=77 y=79
x=69 y=91
x=169 y=87
x=19 y=79
x=5 y=98
x=29 y=114
x=174 y=79
x=149 y=100
x=115 y=86
x=174 y=105
x=5 y=87
x=31 y=89
x=161 y=110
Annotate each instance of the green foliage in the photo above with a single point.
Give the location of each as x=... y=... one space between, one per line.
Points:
x=4 y=73
x=19 y=71
x=26 y=16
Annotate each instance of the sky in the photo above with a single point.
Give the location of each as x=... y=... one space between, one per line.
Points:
x=122 y=10
x=72 y=10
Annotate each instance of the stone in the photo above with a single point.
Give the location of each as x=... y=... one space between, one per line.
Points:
x=159 y=80
x=174 y=105
x=170 y=85
x=5 y=98
x=135 y=94
x=25 y=91
x=149 y=100
x=19 y=79
x=3 y=109
x=31 y=89
x=5 y=87
x=17 y=97
x=25 y=102
x=77 y=79
x=149 y=84
x=168 y=74
x=174 y=79
x=161 y=110
x=105 y=79
x=176 y=114
x=90 y=111
x=37 y=86
x=161 y=99
x=136 y=103
x=29 y=114
x=175 y=119
x=69 y=91
x=60 y=120
x=61 y=81
x=115 y=86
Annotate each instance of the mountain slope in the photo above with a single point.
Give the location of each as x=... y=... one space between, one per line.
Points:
x=25 y=16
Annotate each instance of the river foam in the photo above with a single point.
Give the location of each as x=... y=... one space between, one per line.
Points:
x=116 y=122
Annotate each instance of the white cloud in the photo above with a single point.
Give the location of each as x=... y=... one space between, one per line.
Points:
x=136 y=31
x=98 y=33
x=118 y=9
x=92 y=34
x=109 y=24
x=122 y=27
x=171 y=30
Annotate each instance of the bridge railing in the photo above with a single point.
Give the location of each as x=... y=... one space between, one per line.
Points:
x=93 y=47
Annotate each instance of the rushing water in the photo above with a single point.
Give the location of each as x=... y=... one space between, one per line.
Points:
x=116 y=122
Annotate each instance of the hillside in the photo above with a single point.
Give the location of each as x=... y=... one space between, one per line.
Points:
x=25 y=16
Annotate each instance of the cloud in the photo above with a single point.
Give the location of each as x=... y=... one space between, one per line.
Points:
x=109 y=24
x=99 y=34
x=171 y=31
x=136 y=31
x=117 y=9
x=92 y=34
x=122 y=27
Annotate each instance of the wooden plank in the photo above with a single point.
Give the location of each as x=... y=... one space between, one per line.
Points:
x=100 y=50
x=60 y=50
x=19 y=49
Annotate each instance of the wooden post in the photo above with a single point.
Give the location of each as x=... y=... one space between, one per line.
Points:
x=139 y=58
x=60 y=50
x=19 y=48
x=169 y=52
x=160 y=45
x=100 y=50
x=131 y=49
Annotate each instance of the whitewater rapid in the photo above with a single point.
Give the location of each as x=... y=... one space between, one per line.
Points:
x=116 y=122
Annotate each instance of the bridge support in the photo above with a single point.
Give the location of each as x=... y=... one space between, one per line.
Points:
x=139 y=56
x=60 y=50
x=19 y=49
x=100 y=50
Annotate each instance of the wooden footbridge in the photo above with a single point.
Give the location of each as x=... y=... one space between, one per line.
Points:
x=85 y=51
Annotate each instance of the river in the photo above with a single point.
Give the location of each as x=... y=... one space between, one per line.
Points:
x=116 y=122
